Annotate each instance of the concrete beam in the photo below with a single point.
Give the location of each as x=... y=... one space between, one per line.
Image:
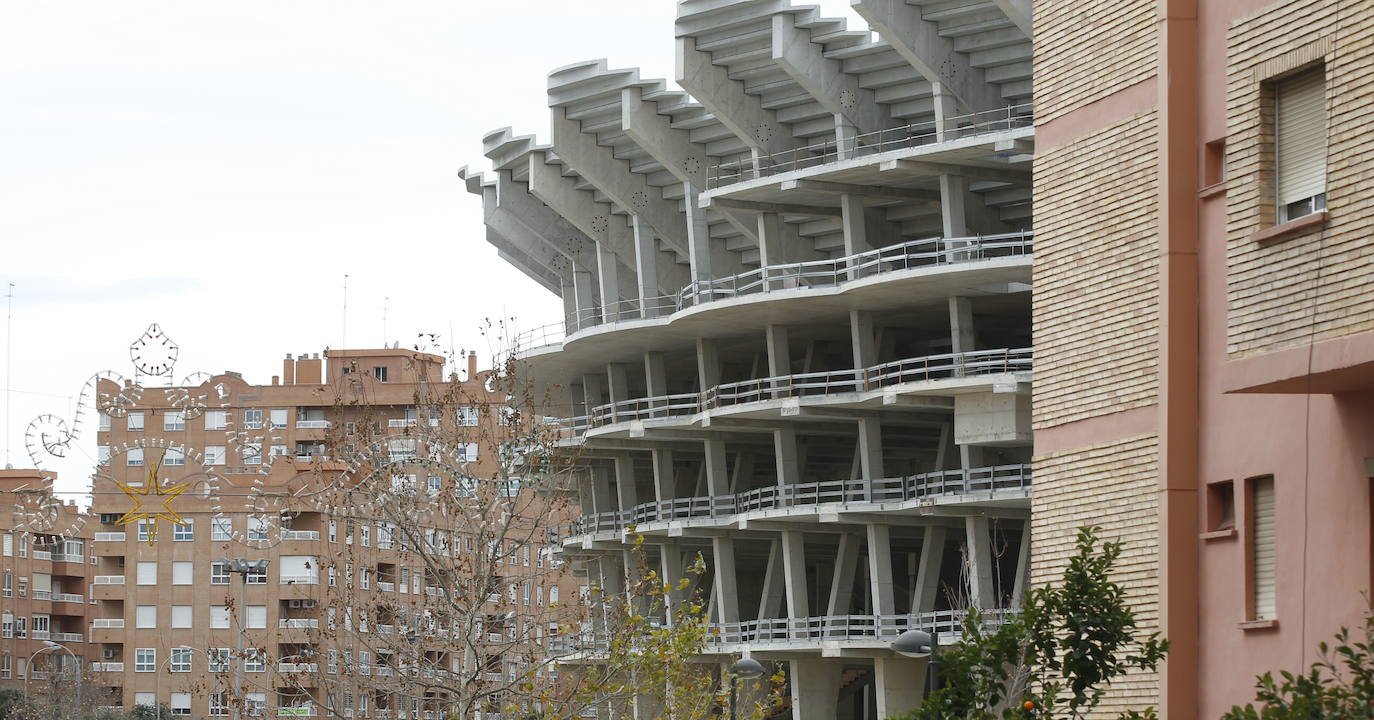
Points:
x=507 y=251
x=855 y=108
x=742 y=113
x=972 y=172
x=716 y=203
x=883 y=192
x=1019 y=12
x=920 y=43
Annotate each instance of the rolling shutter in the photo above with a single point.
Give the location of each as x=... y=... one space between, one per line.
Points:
x=1262 y=522
x=1301 y=137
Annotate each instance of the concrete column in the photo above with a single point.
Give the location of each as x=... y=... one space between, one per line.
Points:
x=742 y=473
x=779 y=358
x=774 y=585
x=794 y=573
x=726 y=586
x=870 y=449
x=946 y=107
x=568 y=291
x=608 y=276
x=1018 y=593
x=842 y=581
x=665 y=482
x=646 y=266
x=771 y=248
x=717 y=474
x=617 y=380
x=698 y=237
x=928 y=570
x=670 y=561
x=961 y=330
x=863 y=339
x=584 y=288
x=953 y=212
x=602 y=497
x=708 y=364
x=815 y=688
x=785 y=455
x=625 y=491
x=854 y=223
x=900 y=684
x=655 y=376
x=981 y=590
x=880 y=570
x=593 y=390
x=846 y=137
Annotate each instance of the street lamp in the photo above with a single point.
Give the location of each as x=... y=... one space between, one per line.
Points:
x=49 y=646
x=747 y=668
x=242 y=567
x=920 y=644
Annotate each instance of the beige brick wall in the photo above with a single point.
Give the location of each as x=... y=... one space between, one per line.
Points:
x=1321 y=285
x=1086 y=50
x=1114 y=486
x=1095 y=305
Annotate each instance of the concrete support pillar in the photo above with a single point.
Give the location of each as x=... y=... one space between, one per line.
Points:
x=726 y=586
x=900 y=684
x=646 y=267
x=584 y=288
x=927 y=588
x=602 y=497
x=981 y=590
x=842 y=581
x=815 y=688
x=1018 y=592
x=953 y=211
x=772 y=250
x=670 y=562
x=568 y=291
x=785 y=455
x=794 y=573
x=853 y=221
x=774 y=584
x=698 y=237
x=626 y=494
x=742 y=474
x=846 y=137
x=665 y=482
x=655 y=377
x=717 y=473
x=779 y=358
x=880 y=570
x=593 y=391
x=608 y=276
x=962 y=335
x=946 y=108
x=708 y=364
x=870 y=448
x=618 y=382
x=863 y=339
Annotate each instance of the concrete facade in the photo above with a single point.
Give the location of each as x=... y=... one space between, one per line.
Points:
x=796 y=335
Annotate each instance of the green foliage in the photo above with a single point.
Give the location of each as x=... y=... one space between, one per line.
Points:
x=1340 y=684
x=1051 y=659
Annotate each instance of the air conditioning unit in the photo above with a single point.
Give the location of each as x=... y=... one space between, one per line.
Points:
x=109 y=653
x=294 y=604
x=308 y=604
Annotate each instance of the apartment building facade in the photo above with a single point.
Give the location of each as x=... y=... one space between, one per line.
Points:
x=797 y=325
x=1204 y=326
x=44 y=580
x=315 y=633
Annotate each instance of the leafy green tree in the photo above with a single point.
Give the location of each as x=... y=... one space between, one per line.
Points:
x=1340 y=684
x=1054 y=657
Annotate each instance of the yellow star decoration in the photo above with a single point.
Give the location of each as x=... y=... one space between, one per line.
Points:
x=152 y=488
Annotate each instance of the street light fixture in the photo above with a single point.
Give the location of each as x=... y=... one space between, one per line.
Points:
x=747 y=668
x=921 y=644
x=242 y=567
x=49 y=646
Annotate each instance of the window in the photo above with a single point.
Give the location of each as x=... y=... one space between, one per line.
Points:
x=9 y=545
x=214 y=455
x=23 y=587
x=218 y=659
x=467 y=452
x=364 y=578
x=276 y=451
x=278 y=419
x=145 y=616
x=434 y=483
x=102 y=454
x=255 y=704
x=146 y=573
x=333 y=577
x=145 y=530
x=257 y=528
x=252 y=453
x=42 y=625
x=256 y=576
x=180 y=660
x=174 y=456
x=23 y=545
x=21 y=624
x=333 y=531
x=219 y=617
x=181 y=617
x=1221 y=509
x=1300 y=144
x=135 y=421
x=216 y=419
x=219 y=704
x=181 y=701
x=257 y=616
x=221 y=528
x=467 y=416
x=146 y=699
x=401 y=449
x=5 y=663
x=104 y=421
x=332 y=661
x=1263 y=565
x=379 y=373
x=253 y=661
x=145 y=660
x=365 y=536
x=174 y=420
x=252 y=419
x=185 y=530
x=134 y=457
x=9 y=585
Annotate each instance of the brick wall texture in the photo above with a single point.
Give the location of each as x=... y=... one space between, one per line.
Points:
x=1096 y=300
x=1321 y=285
x=1112 y=485
x=1085 y=51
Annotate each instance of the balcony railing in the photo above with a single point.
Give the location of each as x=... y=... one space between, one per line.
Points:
x=109 y=580
x=297 y=667
x=68 y=637
x=68 y=597
x=63 y=557
x=312 y=424
x=930 y=367
x=400 y=422
x=42 y=595
x=42 y=555
x=107 y=667
x=108 y=623
x=298 y=623
x=745 y=167
x=42 y=635
x=815 y=274
x=300 y=579
x=110 y=536
x=386 y=586
x=300 y=534
x=923 y=486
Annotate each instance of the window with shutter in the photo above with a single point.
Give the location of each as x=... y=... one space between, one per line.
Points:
x=1300 y=144
x=1263 y=548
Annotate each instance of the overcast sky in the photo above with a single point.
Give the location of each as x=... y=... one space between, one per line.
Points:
x=219 y=167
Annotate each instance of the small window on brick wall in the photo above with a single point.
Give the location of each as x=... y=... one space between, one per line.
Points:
x=1262 y=551
x=1300 y=144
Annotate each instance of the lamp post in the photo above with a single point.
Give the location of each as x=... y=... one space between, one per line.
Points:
x=920 y=644
x=242 y=567
x=747 y=668
x=49 y=646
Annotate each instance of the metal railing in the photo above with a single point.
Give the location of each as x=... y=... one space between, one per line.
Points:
x=108 y=623
x=109 y=579
x=385 y=586
x=312 y=424
x=110 y=537
x=789 y=276
x=930 y=367
x=940 y=483
x=68 y=597
x=746 y=167
x=300 y=534
x=68 y=637
x=298 y=624
x=300 y=580
x=107 y=667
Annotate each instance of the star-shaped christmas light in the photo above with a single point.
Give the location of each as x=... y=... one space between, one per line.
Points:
x=152 y=489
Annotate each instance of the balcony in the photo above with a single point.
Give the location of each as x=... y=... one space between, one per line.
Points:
x=297 y=667
x=42 y=555
x=300 y=535
x=301 y=579
x=109 y=579
x=295 y=712
x=298 y=624
x=312 y=424
x=68 y=598
x=814 y=275
x=1011 y=482
x=62 y=557
x=114 y=667
x=42 y=595
x=67 y=637
x=386 y=586
x=117 y=623
x=401 y=422
x=42 y=634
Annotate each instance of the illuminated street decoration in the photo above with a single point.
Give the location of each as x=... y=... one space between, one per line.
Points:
x=152 y=489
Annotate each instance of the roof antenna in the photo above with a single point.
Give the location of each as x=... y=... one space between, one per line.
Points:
x=344 y=344
x=9 y=384
x=386 y=301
